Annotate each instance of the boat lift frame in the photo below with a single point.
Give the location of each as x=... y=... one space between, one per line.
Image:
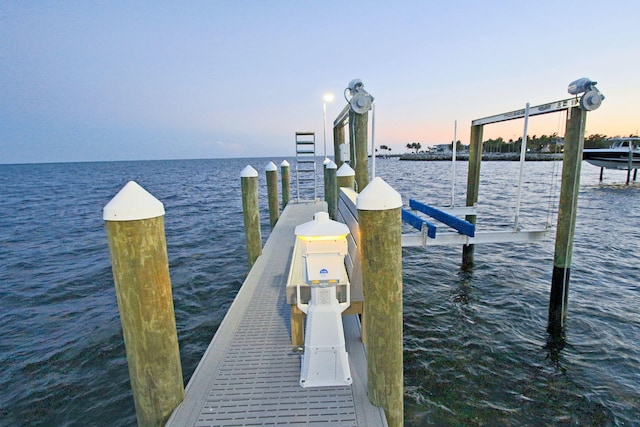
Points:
x=460 y=233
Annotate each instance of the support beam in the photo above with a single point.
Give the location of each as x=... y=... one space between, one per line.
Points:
x=473 y=185
x=569 y=190
x=360 y=155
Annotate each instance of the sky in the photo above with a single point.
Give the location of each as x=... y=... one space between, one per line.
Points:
x=146 y=80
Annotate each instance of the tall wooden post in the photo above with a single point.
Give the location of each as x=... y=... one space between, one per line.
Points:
x=338 y=138
x=379 y=214
x=325 y=177
x=251 y=213
x=359 y=123
x=135 y=230
x=567 y=209
x=271 y=172
x=345 y=176
x=331 y=190
x=352 y=141
x=473 y=186
x=286 y=183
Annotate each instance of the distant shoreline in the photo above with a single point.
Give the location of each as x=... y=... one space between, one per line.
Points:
x=485 y=156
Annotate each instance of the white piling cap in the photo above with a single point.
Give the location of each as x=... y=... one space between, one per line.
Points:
x=332 y=165
x=345 y=170
x=249 y=172
x=326 y=161
x=322 y=226
x=271 y=167
x=132 y=203
x=284 y=164
x=378 y=196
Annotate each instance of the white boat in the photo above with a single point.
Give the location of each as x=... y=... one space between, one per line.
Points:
x=623 y=153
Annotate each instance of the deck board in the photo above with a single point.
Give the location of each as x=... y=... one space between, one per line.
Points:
x=249 y=374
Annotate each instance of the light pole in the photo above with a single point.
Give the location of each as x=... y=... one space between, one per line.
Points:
x=327 y=98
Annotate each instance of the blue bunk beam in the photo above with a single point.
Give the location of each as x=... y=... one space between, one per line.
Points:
x=462 y=226
x=417 y=222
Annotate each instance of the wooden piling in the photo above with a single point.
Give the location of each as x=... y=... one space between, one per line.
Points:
x=271 y=172
x=251 y=213
x=473 y=186
x=134 y=222
x=359 y=123
x=345 y=176
x=338 y=139
x=331 y=190
x=567 y=209
x=325 y=177
x=286 y=183
x=379 y=213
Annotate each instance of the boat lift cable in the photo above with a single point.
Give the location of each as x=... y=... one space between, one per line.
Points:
x=554 y=174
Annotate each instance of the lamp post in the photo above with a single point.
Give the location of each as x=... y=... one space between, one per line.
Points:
x=327 y=98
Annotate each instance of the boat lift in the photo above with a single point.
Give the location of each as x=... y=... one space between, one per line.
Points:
x=463 y=232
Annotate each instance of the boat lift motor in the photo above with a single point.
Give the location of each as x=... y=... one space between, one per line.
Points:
x=324 y=245
x=592 y=98
x=361 y=100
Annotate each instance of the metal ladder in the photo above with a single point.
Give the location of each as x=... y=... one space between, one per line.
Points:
x=306 y=163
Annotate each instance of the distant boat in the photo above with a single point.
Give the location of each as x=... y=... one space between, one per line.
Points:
x=623 y=153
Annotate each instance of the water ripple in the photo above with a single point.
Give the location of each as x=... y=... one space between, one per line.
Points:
x=476 y=348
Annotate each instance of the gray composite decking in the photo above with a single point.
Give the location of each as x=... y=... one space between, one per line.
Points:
x=249 y=375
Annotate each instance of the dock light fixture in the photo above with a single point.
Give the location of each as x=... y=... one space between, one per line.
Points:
x=328 y=97
x=592 y=98
x=360 y=100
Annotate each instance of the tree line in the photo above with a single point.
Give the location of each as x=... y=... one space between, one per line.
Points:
x=543 y=143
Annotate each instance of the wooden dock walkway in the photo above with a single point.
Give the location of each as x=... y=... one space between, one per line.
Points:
x=249 y=374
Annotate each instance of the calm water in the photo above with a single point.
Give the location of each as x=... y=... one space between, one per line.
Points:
x=476 y=349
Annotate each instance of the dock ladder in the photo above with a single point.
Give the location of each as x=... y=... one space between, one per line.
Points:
x=306 y=163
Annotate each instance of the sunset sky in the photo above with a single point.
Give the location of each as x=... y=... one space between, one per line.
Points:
x=112 y=80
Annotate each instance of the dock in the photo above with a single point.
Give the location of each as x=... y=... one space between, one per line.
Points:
x=249 y=374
